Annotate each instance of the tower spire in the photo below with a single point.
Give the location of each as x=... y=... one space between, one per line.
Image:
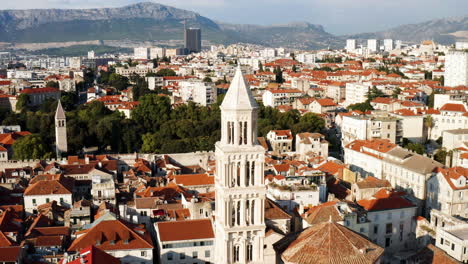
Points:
x=60 y=130
x=239 y=96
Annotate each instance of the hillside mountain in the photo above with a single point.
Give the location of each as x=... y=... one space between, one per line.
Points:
x=445 y=31
x=145 y=21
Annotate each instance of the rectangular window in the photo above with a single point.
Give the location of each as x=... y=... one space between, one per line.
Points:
x=207 y=253
x=34 y=201
x=441 y=241
x=376 y=229
x=388 y=228
x=453 y=246
x=387 y=242
x=143 y=253
x=170 y=256
x=182 y=256
x=195 y=254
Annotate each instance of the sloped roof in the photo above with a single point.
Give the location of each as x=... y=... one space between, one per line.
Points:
x=385 y=200
x=372 y=182
x=194 y=179
x=185 y=230
x=273 y=211
x=126 y=236
x=239 y=96
x=93 y=255
x=59 y=113
x=331 y=243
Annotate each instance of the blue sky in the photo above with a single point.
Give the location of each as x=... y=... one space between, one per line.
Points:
x=337 y=16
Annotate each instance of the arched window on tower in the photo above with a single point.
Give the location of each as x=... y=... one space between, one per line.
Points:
x=229 y=135
x=238 y=171
x=252 y=212
x=252 y=173
x=241 y=136
x=238 y=212
x=245 y=133
x=235 y=253
x=249 y=252
x=247 y=173
x=233 y=214
x=247 y=212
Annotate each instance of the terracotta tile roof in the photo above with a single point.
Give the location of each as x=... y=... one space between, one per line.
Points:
x=10 y=138
x=331 y=168
x=380 y=145
x=185 y=230
x=453 y=108
x=283 y=133
x=194 y=179
x=10 y=254
x=39 y=90
x=372 y=182
x=4 y=240
x=383 y=100
x=326 y=102
x=273 y=211
x=452 y=175
x=385 y=200
x=62 y=185
x=93 y=255
x=322 y=213
x=125 y=236
x=331 y=243
x=281 y=167
x=433 y=255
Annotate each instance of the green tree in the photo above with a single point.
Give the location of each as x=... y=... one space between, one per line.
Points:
x=363 y=107
x=396 y=92
x=31 y=147
x=309 y=122
x=118 y=81
x=428 y=124
x=166 y=72
x=441 y=156
x=416 y=147
x=207 y=79
x=53 y=84
x=279 y=75
x=260 y=66
x=152 y=111
x=23 y=102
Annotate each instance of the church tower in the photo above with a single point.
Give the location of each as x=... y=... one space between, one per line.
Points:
x=60 y=130
x=239 y=183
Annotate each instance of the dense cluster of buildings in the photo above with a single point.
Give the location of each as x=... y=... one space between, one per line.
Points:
x=357 y=191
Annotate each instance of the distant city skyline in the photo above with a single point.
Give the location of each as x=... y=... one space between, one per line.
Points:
x=337 y=16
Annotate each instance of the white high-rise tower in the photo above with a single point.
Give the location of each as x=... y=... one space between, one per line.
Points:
x=60 y=130
x=240 y=188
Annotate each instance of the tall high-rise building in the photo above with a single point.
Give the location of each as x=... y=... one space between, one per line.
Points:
x=60 y=130
x=351 y=45
x=388 y=44
x=192 y=39
x=240 y=187
x=456 y=68
x=373 y=45
x=141 y=53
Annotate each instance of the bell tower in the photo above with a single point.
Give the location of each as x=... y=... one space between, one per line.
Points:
x=60 y=130
x=239 y=183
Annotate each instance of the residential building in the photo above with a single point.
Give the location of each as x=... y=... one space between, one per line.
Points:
x=128 y=242
x=373 y=45
x=356 y=92
x=239 y=183
x=392 y=216
x=388 y=44
x=277 y=97
x=449 y=117
x=366 y=188
x=189 y=241
x=323 y=106
x=311 y=142
x=456 y=68
x=290 y=197
x=280 y=140
x=447 y=192
x=456 y=138
x=103 y=189
x=45 y=188
x=412 y=125
x=157 y=52
x=375 y=126
x=454 y=241
x=351 y=45
x=141 y=53
x=202 y=93
x=38 y=95
x=90 y=255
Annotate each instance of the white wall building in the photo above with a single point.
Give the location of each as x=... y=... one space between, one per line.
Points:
x=157 y=52
x=452 y=139
x=188 y=241
x=454 y=241
x=388 y=44
x=373 y=45
x=356 y=93
x=141 y=53
x=202 y=93
x=456 y=68
x=351 y=45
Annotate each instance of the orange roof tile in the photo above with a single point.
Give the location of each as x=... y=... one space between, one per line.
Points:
x=185 y=230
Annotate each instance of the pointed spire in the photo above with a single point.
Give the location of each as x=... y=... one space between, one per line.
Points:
x=239 y=96
x=59 y=113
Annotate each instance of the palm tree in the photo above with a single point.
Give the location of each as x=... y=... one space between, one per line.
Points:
x=428 y=123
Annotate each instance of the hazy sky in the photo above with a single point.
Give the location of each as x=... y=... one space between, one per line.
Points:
x=337 y=16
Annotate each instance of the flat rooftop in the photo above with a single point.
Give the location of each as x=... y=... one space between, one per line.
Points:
x=461 y=233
